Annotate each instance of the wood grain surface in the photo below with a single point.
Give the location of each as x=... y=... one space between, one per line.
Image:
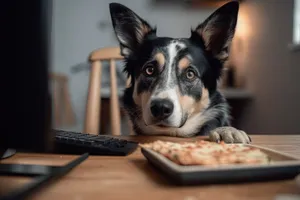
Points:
x=132 y=177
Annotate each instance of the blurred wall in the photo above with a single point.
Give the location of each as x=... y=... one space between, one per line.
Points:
x=270 y=69
x=80 y=26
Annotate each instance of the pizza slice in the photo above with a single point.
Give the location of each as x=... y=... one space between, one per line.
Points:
x=208 y=153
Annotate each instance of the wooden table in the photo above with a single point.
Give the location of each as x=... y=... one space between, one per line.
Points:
x=132 y=177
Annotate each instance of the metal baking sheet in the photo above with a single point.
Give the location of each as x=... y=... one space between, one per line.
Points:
x=282 y=167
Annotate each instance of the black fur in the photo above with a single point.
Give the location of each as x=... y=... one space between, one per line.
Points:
x=208 y=48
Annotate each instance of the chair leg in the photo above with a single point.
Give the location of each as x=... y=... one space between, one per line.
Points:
x=57 y=103
x=93 y=106
x=114 y=99
x=69 y=113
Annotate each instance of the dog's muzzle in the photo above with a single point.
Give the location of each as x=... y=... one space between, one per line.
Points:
x=161 y=109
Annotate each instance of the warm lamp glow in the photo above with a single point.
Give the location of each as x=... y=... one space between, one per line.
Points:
x=209 y=4
x=242 y=29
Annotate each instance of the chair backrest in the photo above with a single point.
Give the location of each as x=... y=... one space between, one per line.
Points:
x=93 y=104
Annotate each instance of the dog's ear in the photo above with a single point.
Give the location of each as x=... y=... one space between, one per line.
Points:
x=218 y=30
x=130 y=29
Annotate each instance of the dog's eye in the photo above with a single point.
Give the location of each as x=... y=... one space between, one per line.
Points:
x=190 y=74
x=149 y=70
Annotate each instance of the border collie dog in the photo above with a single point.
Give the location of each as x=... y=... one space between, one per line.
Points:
x=173 y=88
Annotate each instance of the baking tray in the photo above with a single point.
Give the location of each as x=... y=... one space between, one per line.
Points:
x=282 y=167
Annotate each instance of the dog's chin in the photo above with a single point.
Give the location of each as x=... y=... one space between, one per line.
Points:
x=164 y=125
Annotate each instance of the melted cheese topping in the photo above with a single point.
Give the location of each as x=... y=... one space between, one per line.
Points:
x=208 y=153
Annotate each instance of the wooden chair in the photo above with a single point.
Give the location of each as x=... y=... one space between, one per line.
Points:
x=93 y=104
x=62 y=107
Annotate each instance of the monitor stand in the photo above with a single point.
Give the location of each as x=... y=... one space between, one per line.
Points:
x=7 y=153
x=41 y=174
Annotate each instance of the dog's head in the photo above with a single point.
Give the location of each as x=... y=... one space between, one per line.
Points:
x=173 y=77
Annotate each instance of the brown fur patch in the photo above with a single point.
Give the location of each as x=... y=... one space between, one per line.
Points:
x=140 y=99
x=160 y=58
x=144 y=31
x=192 y=107
x=205 y=34
x=208 y=34
x=184 y=63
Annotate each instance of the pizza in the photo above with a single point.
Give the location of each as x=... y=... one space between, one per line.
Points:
x=208 y=153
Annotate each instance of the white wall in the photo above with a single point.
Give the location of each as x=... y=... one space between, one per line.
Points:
x=76 y=33
x=296 y=21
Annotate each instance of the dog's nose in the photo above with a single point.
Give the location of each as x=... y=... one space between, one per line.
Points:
x=161 y=108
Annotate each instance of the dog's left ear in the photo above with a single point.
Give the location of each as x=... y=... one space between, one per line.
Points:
x=130 y=29
x=218 y=30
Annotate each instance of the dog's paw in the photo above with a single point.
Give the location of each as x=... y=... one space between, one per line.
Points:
x=229 y=135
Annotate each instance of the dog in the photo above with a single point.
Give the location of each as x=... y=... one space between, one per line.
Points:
x=173 y=89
